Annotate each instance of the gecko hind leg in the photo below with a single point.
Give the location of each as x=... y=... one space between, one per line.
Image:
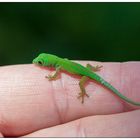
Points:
x=82 y=82
x=94 y=68
x=83 y=93
x=84 y=79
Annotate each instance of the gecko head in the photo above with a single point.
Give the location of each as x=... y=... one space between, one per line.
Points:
x=43 y=59
x=40 y=60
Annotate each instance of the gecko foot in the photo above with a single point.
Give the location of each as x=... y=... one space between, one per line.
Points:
x=50 y=77
x=82 y=95
x=97 y=68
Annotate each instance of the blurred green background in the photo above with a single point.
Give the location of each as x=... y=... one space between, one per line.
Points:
x=83 y=31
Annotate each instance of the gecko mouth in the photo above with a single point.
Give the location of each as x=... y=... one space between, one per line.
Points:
x=34 y=61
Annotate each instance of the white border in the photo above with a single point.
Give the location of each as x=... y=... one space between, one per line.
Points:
x=69 y=0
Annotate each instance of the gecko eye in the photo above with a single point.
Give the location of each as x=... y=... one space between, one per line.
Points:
x=40 y=63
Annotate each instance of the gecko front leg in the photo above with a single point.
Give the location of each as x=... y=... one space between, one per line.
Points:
x=54 y=76
x=84 y=79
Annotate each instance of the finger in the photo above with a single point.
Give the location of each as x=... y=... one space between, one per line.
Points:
x=28 y=101
x=1 y=136
x=116 y=125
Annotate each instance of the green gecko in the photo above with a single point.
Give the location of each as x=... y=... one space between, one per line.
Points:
x=58 y=63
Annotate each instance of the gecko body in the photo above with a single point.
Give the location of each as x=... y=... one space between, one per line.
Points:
x=58 y=63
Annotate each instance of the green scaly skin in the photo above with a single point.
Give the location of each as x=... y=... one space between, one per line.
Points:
x=50 y=60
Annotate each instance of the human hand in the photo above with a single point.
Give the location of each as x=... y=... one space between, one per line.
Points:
x=32 y=106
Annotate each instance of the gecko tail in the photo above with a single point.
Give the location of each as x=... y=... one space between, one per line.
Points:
x=111 y=88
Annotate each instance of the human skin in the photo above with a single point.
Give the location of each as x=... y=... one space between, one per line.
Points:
x=32 y=106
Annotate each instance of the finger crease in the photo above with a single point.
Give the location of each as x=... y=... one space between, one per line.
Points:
x=66 y=99
x=80 y=129
x=56 y=106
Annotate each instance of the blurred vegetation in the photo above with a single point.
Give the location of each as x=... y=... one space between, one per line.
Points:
x=83 y=31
